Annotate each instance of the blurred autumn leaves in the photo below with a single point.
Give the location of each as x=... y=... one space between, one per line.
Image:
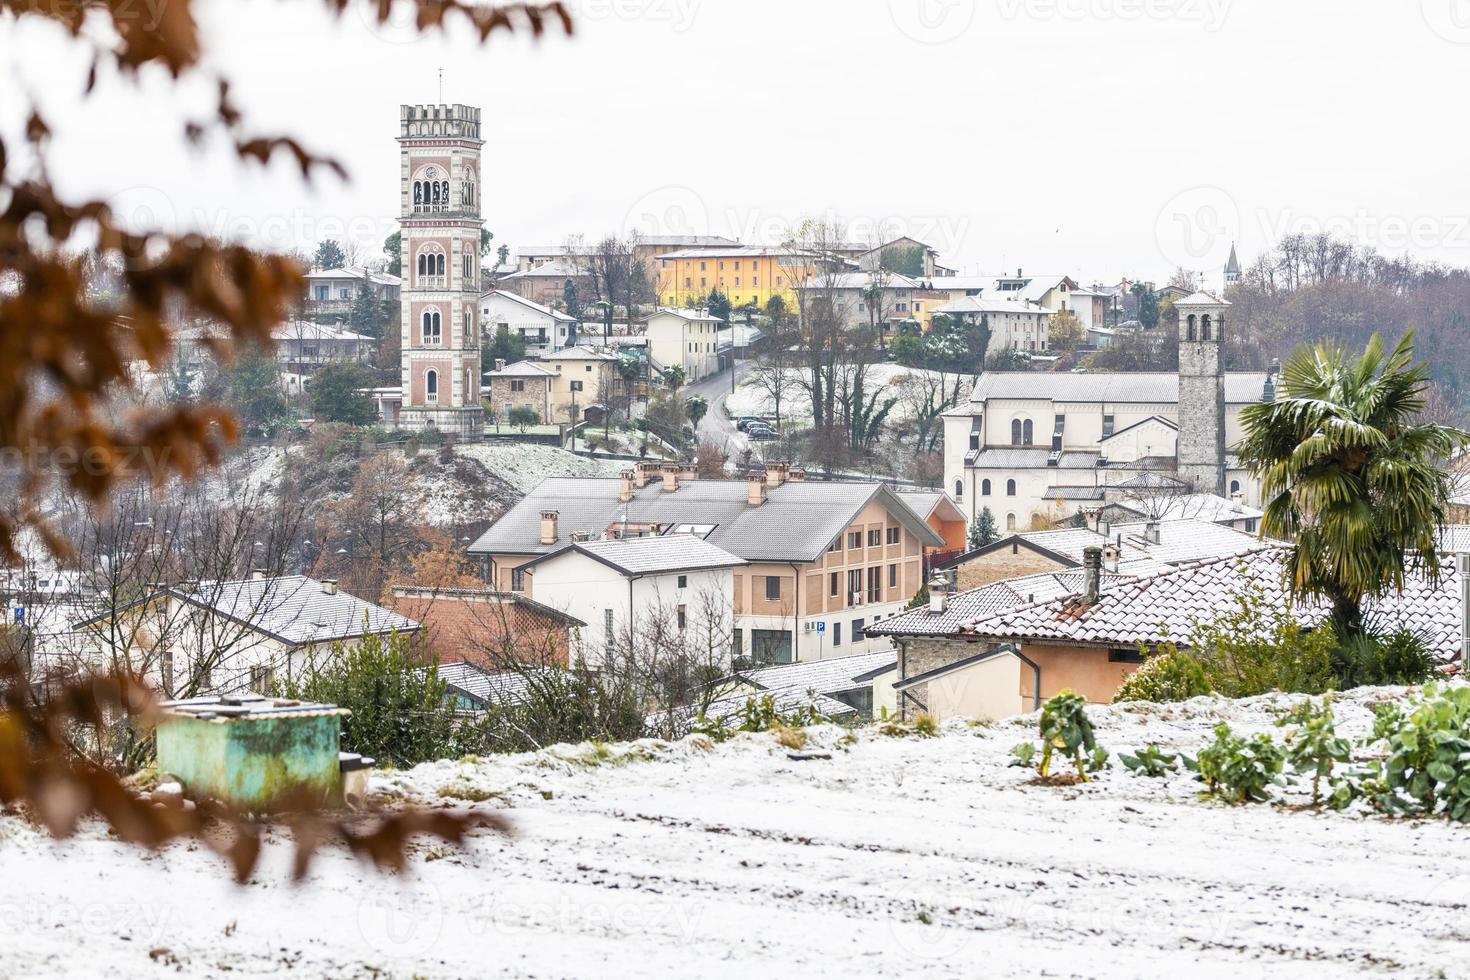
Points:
x=66 y=348
x=66 y=354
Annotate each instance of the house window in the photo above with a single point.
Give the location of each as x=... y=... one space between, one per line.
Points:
x=875 y=538
x=875 y=584
x=836 y=545
x=431 y=387
x=773 y=588
x=959 y=489
x=1015 y=432
x=1124 y=657
x=837 y=634
x=607 y=624
x=1235 y=486
x=984 y=488
x=854 y=540
x=518 y=581
x=1107 y=426
x=517 y=386
x=261 y=679
x=892 y=533
x=1010 y=488
x=1010 y=522
x=683 y=617
x=893 y=576
x=683 y=581
x=855 y=583
x=1027 y=432
x=832 y=584
x=857 y=631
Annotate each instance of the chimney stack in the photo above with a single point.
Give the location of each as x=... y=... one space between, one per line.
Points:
x=642 y=473
x=776 y=473
x=329 y=586
x=1092 y=573
x=500 y=364
x=257 y=575
x=938 y=596
x=548 y=526
x=625 y=491
x=671 y=477
x=1152 y=532
x=756 y=485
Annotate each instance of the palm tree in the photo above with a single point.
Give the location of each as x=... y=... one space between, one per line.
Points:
x=1349 y=473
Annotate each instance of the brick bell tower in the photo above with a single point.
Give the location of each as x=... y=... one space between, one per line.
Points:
x=1202 y=392
x=439 y=192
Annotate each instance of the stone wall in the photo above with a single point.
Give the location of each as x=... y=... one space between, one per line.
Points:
x=919 y=655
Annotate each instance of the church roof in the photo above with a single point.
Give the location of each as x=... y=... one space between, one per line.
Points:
x=1201 y=298
x=1128 y=387
x=1234 y=264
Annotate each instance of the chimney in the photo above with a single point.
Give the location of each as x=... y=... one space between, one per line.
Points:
x=756 y=485
x=776 y=473
x=1152 y=532
x=625 y=490
x=1092 y=573
x=500 y=364
x=548 y=526
x=938 y=596
x=1104 y=527
x=1020 y=273
x=642 y=473
x=797 y=475
x=257 y=575
x=671 y=477
x=329 y=586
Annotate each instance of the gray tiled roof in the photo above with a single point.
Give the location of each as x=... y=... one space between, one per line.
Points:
x=503 y=688
x=296 y=609
x=667 y=553
x=796 y=523
x=1014 y=458
x=787 y=700
x=1167 y=606
x=1241 y=388
x=823 y=676
x=967 y=607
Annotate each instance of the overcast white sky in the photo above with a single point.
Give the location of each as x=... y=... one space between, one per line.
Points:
x=1098 y=138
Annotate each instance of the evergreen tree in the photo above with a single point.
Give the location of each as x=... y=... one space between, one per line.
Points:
x=254 y=394
x=984 y=531
x=338 y=394
x=393 y=248
x=329 y=255
x=363 y=316
x=502 y=254
x=719 y=305
x=508 y=347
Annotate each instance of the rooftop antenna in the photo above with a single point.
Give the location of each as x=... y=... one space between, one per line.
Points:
x=441 y=86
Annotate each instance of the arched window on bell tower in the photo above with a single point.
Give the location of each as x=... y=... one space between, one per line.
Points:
x=1205 y=327
x=431 y=386
x=1193 y=326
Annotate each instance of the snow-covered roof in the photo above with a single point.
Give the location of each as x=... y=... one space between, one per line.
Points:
x=378 y=278
x=1167 y=606
x=558 y=268
x=521 y=369
x=653 y=555
x=1199 y=506
x=294 y=609
x=985 y=304
x=1200 y=298
x=528 y=304
x=1241 y=388
x=683 y=313
x=797 y=522
x=833 y=676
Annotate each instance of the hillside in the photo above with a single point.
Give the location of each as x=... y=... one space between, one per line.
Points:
x=895 y=857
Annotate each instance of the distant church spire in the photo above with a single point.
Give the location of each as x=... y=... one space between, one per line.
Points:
x=1232 y=268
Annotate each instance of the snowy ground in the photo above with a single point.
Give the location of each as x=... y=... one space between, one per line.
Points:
x=898 y=857
x=525 y=465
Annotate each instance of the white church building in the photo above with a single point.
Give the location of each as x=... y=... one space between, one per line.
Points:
x=1031 y=445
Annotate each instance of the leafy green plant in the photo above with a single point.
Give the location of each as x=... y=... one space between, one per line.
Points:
x=1427 y=770
x=1313 y=746
x=1065 y=728
x=1150 y=761
x=1023 y=755
x=1401 y=657
x=1238 y=769
x=1172 y=675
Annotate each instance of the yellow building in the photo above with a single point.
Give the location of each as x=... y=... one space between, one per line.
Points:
x=750 y=274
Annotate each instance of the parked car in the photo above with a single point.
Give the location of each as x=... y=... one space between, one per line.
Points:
x=762 y=433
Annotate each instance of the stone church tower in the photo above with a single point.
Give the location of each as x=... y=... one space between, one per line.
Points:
x=439 y=204
x=1202 y=392
x=1232 y=269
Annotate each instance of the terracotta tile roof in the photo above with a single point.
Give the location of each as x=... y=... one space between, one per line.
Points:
x=1167 y=606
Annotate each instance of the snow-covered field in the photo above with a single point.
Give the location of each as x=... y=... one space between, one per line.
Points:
x=896 y=857
x=525 y=465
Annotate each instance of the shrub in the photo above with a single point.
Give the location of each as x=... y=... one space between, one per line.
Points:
x=557 y=705
x=1173 y=675
x=1238 y=769
x=1065 y=728
x=1401 y=657
x=401 y=712
x=1253 y=649
x=1150 y=761
x=1314 y=746
x=760 y=714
